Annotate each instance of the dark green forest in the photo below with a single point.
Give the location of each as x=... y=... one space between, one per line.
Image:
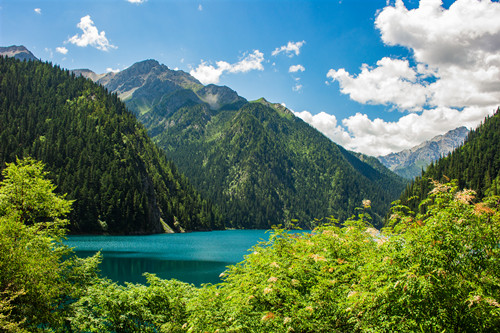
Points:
x=264 y=167
x=476 y=165
x=96 y=152
x=258 y=162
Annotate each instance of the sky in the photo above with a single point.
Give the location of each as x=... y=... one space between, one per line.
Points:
x=375 y=76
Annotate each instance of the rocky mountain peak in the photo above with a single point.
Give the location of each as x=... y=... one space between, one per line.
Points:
x=143 y=67
x=217 y=96
x=409 y=163
x=17 y=51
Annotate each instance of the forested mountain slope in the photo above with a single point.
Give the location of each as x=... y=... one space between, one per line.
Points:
x=261 y=164
x=475 y=164
x=96 y=152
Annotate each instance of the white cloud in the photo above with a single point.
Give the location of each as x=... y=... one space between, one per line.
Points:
x=393 y=81
x=296 y=68
x=460 y=45
x=111 y=70
x=200 y=7
x=379 y=137
x=297 y=87
x=137 y=1
x=452 y=78
x=90 y=36
x=61 y=49
x=207 y=74
x=327 y=124
x=38 y=10
x=289 y=49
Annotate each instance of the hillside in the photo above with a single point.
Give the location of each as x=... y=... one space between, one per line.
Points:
x=410 y=162
x=96 y=152
x=475 y=164
x=257 y=161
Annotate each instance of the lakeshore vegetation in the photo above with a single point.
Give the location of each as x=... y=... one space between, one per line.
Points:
x=436 y=271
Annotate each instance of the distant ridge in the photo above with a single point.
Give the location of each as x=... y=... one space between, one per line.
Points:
x=87 y=73
x=18 y=52
x=410 y=162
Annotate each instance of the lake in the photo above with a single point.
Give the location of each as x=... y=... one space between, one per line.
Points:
x=197 y=257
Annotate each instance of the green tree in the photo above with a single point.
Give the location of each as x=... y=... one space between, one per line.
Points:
x=38 y=275
x=108 y=307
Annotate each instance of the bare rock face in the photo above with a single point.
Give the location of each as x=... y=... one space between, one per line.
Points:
x=409 y=163
x=87 y=73
x=18 y=52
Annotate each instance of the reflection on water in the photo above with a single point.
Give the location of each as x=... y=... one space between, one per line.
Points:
x=122 y=269
x=196 y=258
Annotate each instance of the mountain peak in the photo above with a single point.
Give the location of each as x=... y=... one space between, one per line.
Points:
x=144 y=67
x=280 y=108
x=218 y=96
x=17 y=51
x=408 y=163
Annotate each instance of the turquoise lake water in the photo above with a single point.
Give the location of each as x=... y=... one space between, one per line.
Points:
x=197 y=257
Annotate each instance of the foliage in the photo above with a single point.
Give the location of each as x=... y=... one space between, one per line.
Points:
x=38 y=277
x=433 y=272
x=108 y=307
x=97 y=153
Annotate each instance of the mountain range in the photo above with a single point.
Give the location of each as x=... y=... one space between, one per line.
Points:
x=254 y=160
x=409 y=163
x=258 y=162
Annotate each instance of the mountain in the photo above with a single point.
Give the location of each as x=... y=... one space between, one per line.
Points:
x=87 y=73
x=475 y=164
x=17 y=52
x=410 y=162
x=96 y=151
x=258 y=162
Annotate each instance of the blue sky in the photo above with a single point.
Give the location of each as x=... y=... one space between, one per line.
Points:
x=376 y=76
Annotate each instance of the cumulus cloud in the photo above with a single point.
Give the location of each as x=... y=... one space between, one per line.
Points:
x=378 y=137
x=297 y=87
x=289 y=49
x=90 y=36
x=137 y=1
x=111 y=70
x=207 y=73
x=453 y=78
x=296 y=68
x=61 y=49
x=327 y=124
x=38 y=10
x=393 y=81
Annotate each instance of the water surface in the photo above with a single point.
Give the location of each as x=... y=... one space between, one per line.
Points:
x=197 y=257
